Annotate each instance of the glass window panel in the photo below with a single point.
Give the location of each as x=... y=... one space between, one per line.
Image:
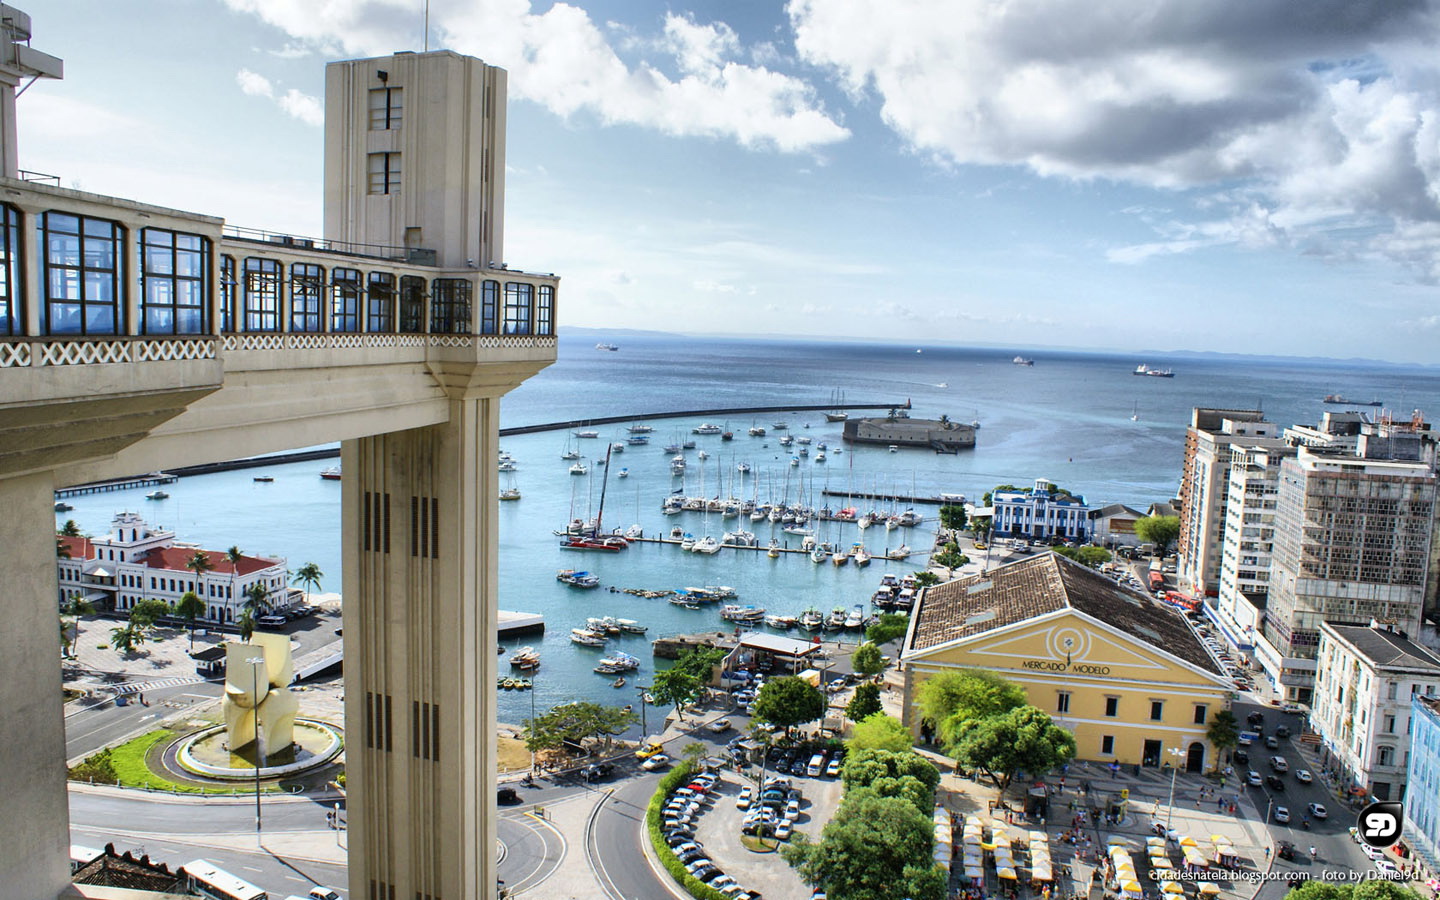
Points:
x=99 y=319
x=62 y=223
x=64 y=318
x=63 y=249
x=159 y=260
x=99 y=253
x=99 y=287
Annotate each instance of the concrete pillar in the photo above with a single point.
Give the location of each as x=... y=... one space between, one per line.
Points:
x=420 y=511
x=35 y=830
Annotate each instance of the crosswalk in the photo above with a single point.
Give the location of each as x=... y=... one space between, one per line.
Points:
x=134 y=687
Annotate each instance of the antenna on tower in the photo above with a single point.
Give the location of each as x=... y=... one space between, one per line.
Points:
x=427 y=26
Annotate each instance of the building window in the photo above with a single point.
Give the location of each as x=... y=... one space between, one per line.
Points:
x=307 y=288
x=545 y=310
x=1201 y=711
x=386 y=105
x=1112 y=706
x=344 y=299
x=1389 y=724
x=11 y=319
x=1157 y=710
x=412 y=304
x=227 y=293
x=261 y=296
x=1385 y=756
x=1107 y=745
x=519 y=300
x=384 y=172
x=175 y=277
x=380 y=305
x=489 y=307
x=82 y=269
x=1062 y=702
x=450 y=306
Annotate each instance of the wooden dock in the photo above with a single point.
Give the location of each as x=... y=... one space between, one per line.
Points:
x=898 y=498
x=765 y=548
x=117 y=484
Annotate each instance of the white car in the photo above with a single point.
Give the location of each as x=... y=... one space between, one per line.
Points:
x=1372 y=852
x=721 y=881
x=833 y=769
x=1385 y=866
x=784 y=830
x=1303 y=776
x=319 y=892
x=658 y=761
x=719 y=726
x=747 y=796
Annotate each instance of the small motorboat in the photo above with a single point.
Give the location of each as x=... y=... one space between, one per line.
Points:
x=266 y=479
x=619 y=682
x=510 y=494
x=61 y=506
x=156 y=495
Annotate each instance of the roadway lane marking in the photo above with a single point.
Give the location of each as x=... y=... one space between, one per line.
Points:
x=521 y=885
x=592 y=852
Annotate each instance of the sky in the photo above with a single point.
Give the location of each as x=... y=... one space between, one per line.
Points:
x=1132 y=175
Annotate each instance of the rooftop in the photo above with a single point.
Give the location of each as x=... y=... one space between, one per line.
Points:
x=1045 y=584
x=772 y=643
x=1385 y=649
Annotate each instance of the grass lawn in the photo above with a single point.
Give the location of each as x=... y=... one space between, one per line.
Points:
x=513 y=755
x=137 y=764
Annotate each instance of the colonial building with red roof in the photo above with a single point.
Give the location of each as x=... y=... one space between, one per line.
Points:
x=136 y=561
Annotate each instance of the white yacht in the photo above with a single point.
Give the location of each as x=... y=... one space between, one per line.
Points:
x=707 y=545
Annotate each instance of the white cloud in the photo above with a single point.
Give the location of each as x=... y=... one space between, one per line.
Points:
x=1324 y=115
x=562 y=59
x=293 y=102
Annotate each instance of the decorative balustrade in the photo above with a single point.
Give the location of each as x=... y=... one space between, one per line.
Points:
x=87 y=352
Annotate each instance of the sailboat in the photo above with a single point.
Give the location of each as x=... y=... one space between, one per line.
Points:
x=1135 y=412
x=590 y=537
x=837 y=414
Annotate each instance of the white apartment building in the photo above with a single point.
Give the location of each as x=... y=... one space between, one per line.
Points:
x=1040 y=513
x=1205 y=488
x=1249 y=535
x=1352 y=543
x=1363 y=687
x=136 y=562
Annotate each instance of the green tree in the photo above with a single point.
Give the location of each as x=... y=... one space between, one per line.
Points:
x=147 y=613
x=126 y=638
x=190 y=607
x=233 y=557
x=61 y=551
x=867 y=660
x=964 y=694
x=70 y=611
x=70 y=529
x=309 y=576
x=789 y=701
x=1223 y=732
x=699 y=662
x=865 y=702
x=1383 y=889
x=980 y=527
x=199 y=563
x=1321 y=890
x=926 y=578
x=694 y=751
x=990 y=494
x=950 y=559
x=878 y=731
x=1023 y=739
x=893 y=773
x=246 y=626
x=675 y=687
x=575 y=722
x=875 y=848
x=1158 y=530
x=890 y=627
x=257 y=599
x=953 y=517
x=1093 y=557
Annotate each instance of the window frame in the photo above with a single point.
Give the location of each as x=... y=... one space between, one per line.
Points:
x=411 y=305
x=261 y=292
x=519 y=298
x=1112 y=707
x=388 y=115
x=490 y=306
x=1107 y=745
x=307 y=298
x=450 y=305
x=227 y=293
x=12 y=272
x=1157 y=710
x=1062 y=702
x=199 y=282
x=346 y=287
x=545 y=309
x=83 y=273
x=383 y=179
x=380 y=303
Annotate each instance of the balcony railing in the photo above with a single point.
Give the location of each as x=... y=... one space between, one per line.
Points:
x=415 y=256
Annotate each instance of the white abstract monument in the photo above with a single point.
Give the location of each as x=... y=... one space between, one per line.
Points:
x=258 y=703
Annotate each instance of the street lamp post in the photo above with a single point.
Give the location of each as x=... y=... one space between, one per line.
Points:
x=1174 y=770
x=257 y=662
x=532 y=721
x=644 y=728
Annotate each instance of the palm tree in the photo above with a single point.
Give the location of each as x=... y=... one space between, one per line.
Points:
x=61 y=551
x=199 y=563
x=189 y=608
x=70 y=529
x=309 y=575
x=256 y=597
x=234 y=555
x=70 y=611
x=246 y=624
x=125 y=638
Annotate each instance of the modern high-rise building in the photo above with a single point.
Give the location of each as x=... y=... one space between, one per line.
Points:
x=1352 y=543
x=1205 y=488
x=1249 y=535
x=1363 y=686
x=135 y=338
x=1421 y=829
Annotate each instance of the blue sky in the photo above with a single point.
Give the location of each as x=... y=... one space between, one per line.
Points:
x=1139 y=174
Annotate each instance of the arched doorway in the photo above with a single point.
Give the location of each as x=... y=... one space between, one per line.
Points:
x=1195 y=758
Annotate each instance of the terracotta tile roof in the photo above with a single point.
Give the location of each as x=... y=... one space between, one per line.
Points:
x=77 y=547
x=135 y=873
x=175 y=558
x=1043 y=584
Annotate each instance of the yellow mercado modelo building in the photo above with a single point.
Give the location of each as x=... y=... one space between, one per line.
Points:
x=1125 y=673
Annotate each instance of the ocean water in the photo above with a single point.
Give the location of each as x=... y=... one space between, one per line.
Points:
x=1066 y=419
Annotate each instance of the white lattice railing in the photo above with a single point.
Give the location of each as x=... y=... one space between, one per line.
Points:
x=63 y=352
x=360 y=341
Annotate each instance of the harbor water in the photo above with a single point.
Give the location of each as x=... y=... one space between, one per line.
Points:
x=1068 y=419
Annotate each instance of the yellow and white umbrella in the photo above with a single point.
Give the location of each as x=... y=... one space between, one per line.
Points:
x=1131 y=885
x=1188 y=841
x=1209 y=888
x=1041 y=873
x=1160 y=862
x=1195 y=857
x=1171 y=887
x=974 y=872
x=1219 y=839
x=1118 y=841
x=1007 y=873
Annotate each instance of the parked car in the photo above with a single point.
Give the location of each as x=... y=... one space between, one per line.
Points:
x=271 y=621
x=832 y=770
x=747 y=796
x=1318 y=811
x=784 y=830
x=719 y=726
x=597 y=771
x=656 y=762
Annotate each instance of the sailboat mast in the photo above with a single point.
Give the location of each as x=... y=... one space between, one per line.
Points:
x=604 y=481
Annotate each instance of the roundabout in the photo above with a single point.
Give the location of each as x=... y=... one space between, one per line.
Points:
x=204 y=754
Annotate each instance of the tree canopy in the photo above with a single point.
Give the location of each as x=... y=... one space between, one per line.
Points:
x=878 y=731
x=789 y=701
x=1158 y=530
x=69 y=529
x=950 y=559
x=864 y=766
x=875 y=848
x=1023 y=739
x=145 y=613
x=952 y=516
x=675 y=687
x=865 y=703
x=926 y=578
x=575 y=722
x=699 y=662
x=1090 y=556
x=966 y=694
x=867 y=659
x=1223 y=731
x=890 y=627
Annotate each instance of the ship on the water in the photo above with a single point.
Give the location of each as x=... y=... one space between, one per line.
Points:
x=611 y=347
x=1339 y=400
x=1143 y=369
x=1023 y=361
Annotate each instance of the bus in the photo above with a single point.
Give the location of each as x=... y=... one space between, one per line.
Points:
x=1157 y=578
x=217 y=884
x=80 y=857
